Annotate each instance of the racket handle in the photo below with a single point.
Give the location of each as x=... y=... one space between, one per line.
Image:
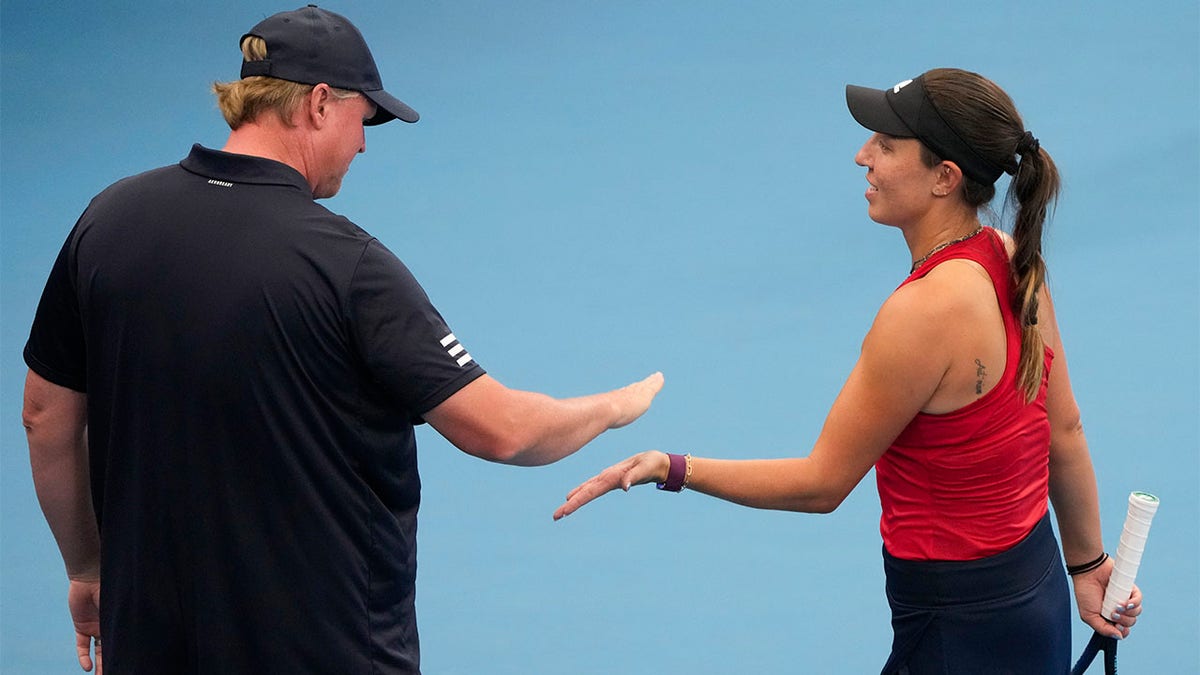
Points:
x=1142 y=507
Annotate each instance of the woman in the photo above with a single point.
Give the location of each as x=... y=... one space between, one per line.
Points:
x=960 y=399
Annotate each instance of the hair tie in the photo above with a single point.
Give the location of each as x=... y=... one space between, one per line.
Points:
x=1028 y=144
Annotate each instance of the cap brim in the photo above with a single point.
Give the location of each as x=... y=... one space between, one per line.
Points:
x=871 y=109
x=389 y=108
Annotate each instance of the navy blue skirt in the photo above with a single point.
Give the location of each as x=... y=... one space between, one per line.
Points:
x=1007 y=613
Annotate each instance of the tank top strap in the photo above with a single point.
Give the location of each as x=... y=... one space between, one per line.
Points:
x=986 y=248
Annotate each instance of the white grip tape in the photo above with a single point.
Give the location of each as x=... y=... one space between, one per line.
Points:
x=1142 y=506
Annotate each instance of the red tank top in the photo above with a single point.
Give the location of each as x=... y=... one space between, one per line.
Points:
x=973 y=482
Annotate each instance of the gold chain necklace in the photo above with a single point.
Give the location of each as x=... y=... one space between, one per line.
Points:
x=942 y=246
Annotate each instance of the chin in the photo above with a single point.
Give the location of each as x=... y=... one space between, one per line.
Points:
x=326 y=191
x=882 y=220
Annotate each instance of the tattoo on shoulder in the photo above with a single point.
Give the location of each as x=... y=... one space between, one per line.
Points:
x=980 y=373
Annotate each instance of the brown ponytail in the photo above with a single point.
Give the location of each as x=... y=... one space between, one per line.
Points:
x=985 y=117
x=1034 y=188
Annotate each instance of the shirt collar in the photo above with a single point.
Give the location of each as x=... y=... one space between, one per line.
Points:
x=235 y=168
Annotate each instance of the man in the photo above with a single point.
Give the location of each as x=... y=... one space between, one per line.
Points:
x=224 y=378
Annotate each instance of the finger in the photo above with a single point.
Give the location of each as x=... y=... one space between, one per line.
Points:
x=637 y=398
x=1127 y=613
x=648 y=386
x=1135 y=597
x=593 y=490
x=655 y=383
x=568 y=508
x=83 y=649
x=580 y=496
x=1130 y=610
x=99 y=659
x=606 y=476
x=1125 y=617
x=634 y=470
x=1105 y=628
x=574 y=491
x=609 y=475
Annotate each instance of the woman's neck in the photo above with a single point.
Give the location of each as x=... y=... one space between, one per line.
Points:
x=934 y=233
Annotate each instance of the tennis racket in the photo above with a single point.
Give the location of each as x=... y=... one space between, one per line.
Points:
x=1142 y=506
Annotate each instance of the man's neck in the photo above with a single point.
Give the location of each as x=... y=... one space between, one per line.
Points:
x=269 y=138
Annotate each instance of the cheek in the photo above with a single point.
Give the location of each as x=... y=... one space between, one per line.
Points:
x=897 y=178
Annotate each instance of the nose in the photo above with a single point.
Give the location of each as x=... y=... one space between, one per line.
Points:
x=863 y=156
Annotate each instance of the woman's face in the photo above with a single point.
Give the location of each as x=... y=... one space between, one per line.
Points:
x=900 y=190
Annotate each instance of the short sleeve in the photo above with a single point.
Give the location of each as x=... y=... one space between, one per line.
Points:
x=56 y=349
x=406 y=345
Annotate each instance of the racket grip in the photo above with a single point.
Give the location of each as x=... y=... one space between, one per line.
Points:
x=1142 y=507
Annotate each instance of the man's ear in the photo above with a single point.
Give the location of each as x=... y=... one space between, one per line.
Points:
x=948 y=179
x=316 y=105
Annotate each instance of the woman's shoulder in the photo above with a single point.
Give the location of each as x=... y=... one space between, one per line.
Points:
x=949 y=287
x=1010 y=244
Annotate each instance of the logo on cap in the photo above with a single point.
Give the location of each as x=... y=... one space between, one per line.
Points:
x=900 y=85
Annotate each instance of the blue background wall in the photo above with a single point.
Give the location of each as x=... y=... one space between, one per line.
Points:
x=598 y=190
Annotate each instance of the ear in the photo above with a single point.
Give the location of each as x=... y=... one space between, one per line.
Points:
x=948 y=178
x=317 y=105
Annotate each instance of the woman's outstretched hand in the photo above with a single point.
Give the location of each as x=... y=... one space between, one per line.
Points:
x=646 y=467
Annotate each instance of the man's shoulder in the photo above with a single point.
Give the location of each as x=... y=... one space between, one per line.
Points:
x=147 y=176
x=138 y=183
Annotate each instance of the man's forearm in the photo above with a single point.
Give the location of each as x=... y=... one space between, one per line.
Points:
x=559 y=427
x=55 y=420
x=492 y=422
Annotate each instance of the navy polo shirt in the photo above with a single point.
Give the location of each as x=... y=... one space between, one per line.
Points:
x=254 y=365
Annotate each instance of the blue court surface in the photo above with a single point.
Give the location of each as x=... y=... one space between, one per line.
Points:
x=599 y=190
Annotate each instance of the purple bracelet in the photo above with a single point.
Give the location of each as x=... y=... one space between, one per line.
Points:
x=676 y=475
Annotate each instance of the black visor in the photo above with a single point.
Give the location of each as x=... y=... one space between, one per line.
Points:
x=905 y=111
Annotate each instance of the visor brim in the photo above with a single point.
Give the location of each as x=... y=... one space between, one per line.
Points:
x=389 y=108
x=871 y=109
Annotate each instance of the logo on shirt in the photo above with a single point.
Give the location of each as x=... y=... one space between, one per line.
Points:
x=214 y=181
x=455 y=349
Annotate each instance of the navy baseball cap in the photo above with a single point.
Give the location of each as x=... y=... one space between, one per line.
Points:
x=311 y=45
x=905 y=111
